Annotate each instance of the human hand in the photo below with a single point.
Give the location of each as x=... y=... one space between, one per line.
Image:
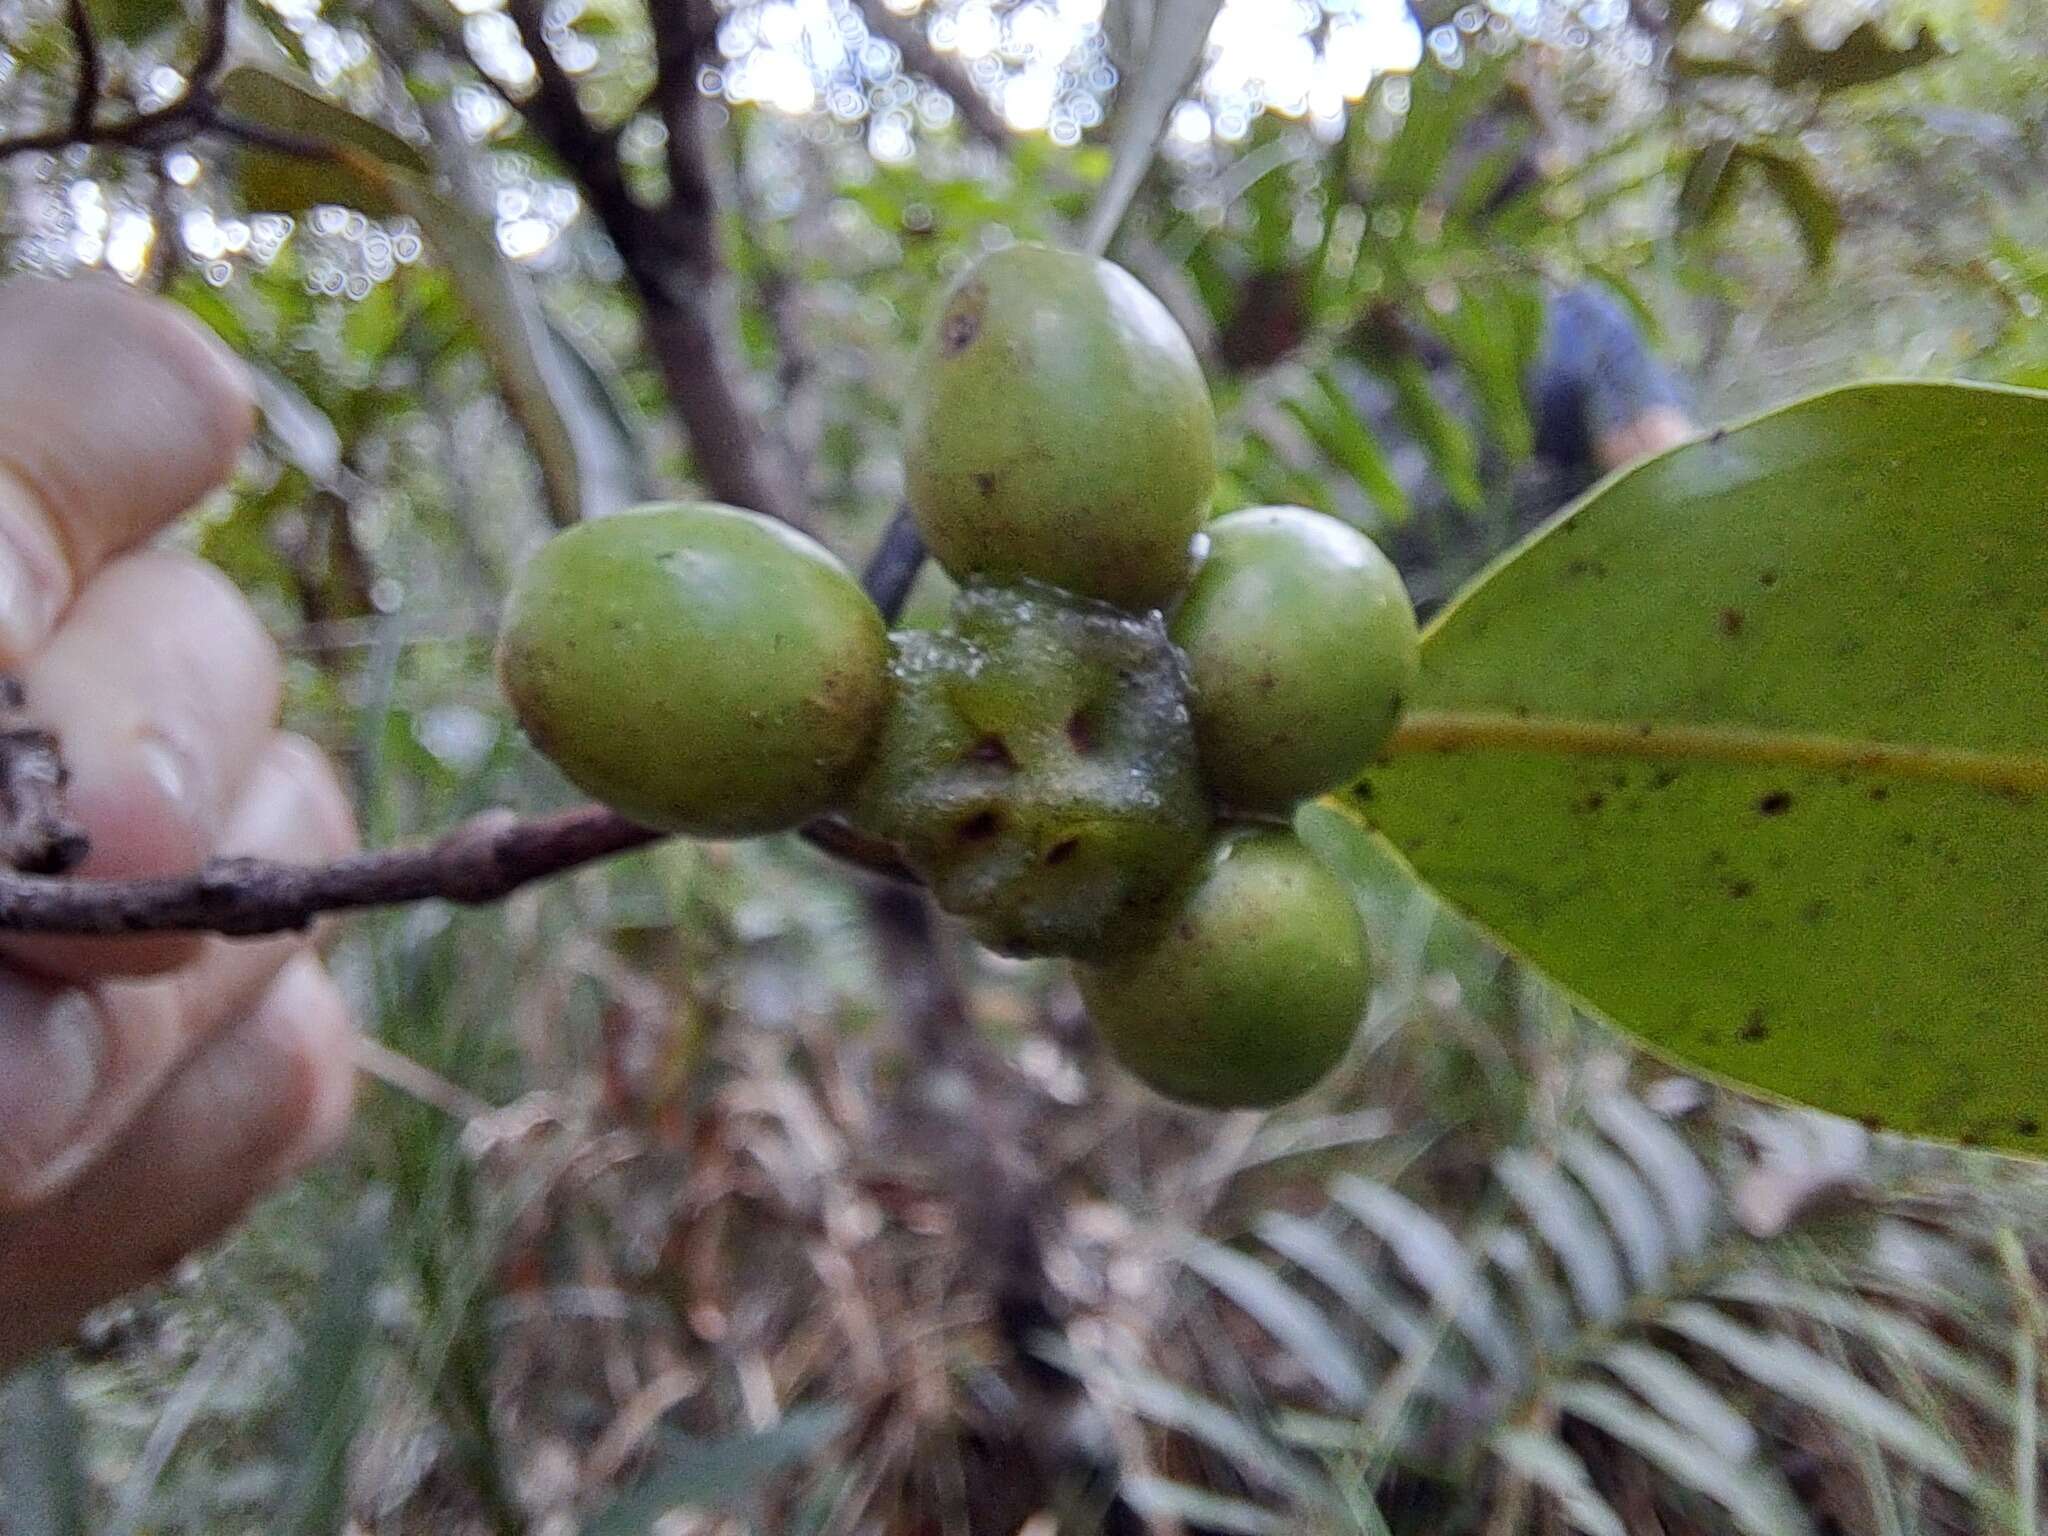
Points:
x=150 y=1088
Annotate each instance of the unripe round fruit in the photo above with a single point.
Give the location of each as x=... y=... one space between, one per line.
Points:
x=1059 y=429
x=1256 y=989
x=702 y=669
x=1301 y=645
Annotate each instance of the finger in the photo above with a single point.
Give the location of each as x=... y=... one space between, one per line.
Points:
x=257 y=1104
x=161 y=687
x=117 y=412
x=77 y=1063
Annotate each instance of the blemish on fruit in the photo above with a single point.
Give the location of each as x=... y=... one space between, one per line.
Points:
x=963 y=321
x=1753 y=1028
x=1731 y=621
x=1776 y=803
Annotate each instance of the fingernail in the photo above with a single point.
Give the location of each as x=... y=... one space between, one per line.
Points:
x=52 y=1049
x=178 y=777
x=30 y=574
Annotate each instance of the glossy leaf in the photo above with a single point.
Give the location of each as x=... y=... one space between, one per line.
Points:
x=1750 y=751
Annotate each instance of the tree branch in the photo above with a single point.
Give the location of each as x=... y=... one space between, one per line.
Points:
x=85 y=100
x=189 y=114
x=907 y=34
x=892 y=569
x=481 y=861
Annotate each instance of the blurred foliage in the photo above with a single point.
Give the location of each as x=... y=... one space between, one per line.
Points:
x=650 y=1171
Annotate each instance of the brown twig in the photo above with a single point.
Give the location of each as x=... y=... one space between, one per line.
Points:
x=85 y=99
x=907 y=34
x=483 y=860
x=191 y=113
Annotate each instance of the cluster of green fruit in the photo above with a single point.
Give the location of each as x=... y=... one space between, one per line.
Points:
x=1096 y=755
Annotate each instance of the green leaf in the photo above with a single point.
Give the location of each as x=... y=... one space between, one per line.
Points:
x=1285 y=1314
x=1318 y=1254
x=1564 y=1218
x=1495 y=330
x=581 y=461
x=1439 y=1265
x=1750 y=751
x=326 y=1404
x=716 y=1474
x=1788 y=1367
x=1453 y=453
x=1863 y=57
x=1809 y=203
x=1675 y=1390
x=359 y=156
x=1441 y=103
x=1165 y=1500
x=1625 y=1203
x=1552 y=1467
x=1704 y=191
x=131 y=21
x=1180 y=31
x=1755 y=1498
x=589 y=461
x=1684 y=1187
x=42 y=1474
x=1326 y=413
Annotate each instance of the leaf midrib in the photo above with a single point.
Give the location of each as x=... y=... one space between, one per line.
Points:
x=1453 y=732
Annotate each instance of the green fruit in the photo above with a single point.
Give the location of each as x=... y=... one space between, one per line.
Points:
x=1301 y=645
x=1038 y=770
x=1059 y=429
x=1256 y=989
x=702 y=669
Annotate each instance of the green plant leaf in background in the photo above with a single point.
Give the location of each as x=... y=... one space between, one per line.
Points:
x=42 y=1477
x=1792 y=179
x=588 y=459
x=1711 y=181
x=130 y=21
x=361 y=157
x=716 y=1474
x=1863 y=57
x=1750 y=752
